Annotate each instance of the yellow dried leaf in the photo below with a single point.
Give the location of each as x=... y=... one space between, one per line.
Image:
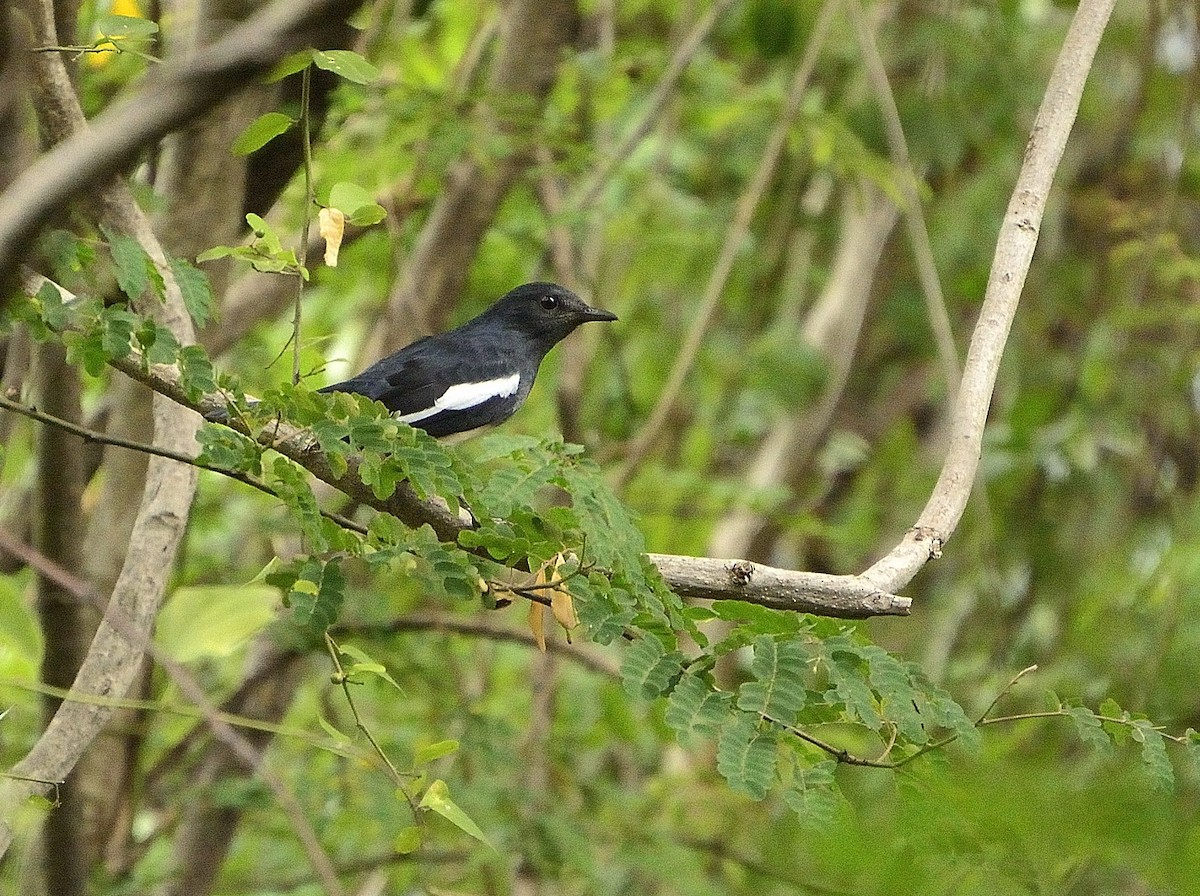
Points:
x=332 y=224
x=537 y=624
x=563 y=608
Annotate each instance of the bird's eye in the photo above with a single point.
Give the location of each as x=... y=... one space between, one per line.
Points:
x=549 y=302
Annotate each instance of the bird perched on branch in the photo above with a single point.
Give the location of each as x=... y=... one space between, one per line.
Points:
x=477 y=375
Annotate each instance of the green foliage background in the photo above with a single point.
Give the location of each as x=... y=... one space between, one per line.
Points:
x=673 y=765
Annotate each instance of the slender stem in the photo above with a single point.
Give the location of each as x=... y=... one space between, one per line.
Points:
x=306 y=144
x=844 y=756
x=99 y=438
x=1008 y=687
x=341 y=678
x=189 y=712
x=735 y=237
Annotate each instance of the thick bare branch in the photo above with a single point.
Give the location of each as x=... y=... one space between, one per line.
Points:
x=847 y=597
x=844 y=596
x=1014 y=252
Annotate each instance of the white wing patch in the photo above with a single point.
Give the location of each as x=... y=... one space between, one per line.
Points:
x=462 y=396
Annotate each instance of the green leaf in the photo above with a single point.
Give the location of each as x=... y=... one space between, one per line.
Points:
x=1120 y=733
x=649 y=668
x=20 y=634
x=116 y=336
x=196 y=290
x=225 y=447
x=131 y=263
x=813 y=794
x=437 y=798
x=333 y=732
x=694 y=708
x=1191 y=747
x=1089 y=729
x=290 y=65
x=357 y=203
x=53 y=311
x=87 y=349
x=899 y=699
x=117 y=28
x=778 y=690
x=367 y=665
x=436 y=750
x=349 y=196
x=157 y=344
x=261 y=131
x=317 y=594
x=366 y=215
x=760 y=620
x=850 y=688
x=408 y=840
x=346 y=64
x=292 y=486
x=199 y=621
x=1154 y=755
x=214 y=253
x=604 y=611
x=746 y=756
x=196 y=374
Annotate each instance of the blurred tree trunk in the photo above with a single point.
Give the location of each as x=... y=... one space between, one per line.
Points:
x=207 y=827
x=67 y=625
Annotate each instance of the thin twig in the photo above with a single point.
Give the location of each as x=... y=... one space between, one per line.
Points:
x=914 y=218
x=188 y=712
x=306 y=144
x=342 y=679
x=683 y=55
x=1004 y=690
x=192 y=690
x=843 y=756
x=99 y=438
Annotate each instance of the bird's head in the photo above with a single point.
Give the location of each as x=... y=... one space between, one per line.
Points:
x=545 y=311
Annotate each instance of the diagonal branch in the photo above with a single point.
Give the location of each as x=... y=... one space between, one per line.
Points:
x=590 y=191
x=840 y=596
x=220 y=723
x=100 y=438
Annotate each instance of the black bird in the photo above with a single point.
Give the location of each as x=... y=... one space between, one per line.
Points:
x=477 y=375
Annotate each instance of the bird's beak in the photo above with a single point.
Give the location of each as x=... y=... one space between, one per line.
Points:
x=598 y=314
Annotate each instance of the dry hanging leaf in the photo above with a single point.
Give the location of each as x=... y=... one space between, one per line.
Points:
x=563 y=608
x=537 y=624
x=562 y=605
x=332 y=224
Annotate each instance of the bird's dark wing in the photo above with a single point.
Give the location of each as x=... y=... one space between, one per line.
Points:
x=441 y=389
